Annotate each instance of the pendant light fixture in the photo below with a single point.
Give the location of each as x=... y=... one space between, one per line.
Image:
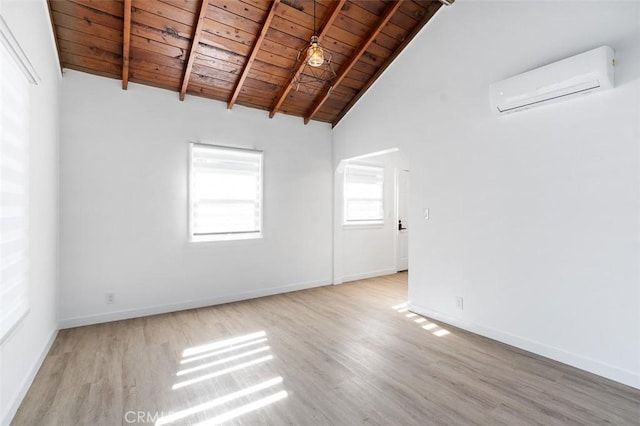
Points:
x=315 y=54
x=315 y=64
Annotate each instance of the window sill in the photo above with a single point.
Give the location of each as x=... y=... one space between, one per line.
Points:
x=369 y=225
x=224 y=238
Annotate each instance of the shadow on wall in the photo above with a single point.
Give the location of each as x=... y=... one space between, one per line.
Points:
x=627 y=70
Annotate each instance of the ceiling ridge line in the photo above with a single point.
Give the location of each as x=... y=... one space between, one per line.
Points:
x=431 y=11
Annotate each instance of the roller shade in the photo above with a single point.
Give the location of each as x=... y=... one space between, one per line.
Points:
x=14 y=113
x=226 y=192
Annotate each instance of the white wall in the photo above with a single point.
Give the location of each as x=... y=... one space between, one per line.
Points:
x=22 y=354
x=124 y=167
x=534 y=216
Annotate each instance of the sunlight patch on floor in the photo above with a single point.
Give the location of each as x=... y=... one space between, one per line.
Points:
x=401 y=308
x=221 y=372
x=221 y=344
x=222 y=351
x=217 y=402
x=224 y=357
x=236 y=412
x=222 y=361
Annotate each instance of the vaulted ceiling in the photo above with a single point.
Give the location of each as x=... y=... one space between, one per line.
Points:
x=242 y=52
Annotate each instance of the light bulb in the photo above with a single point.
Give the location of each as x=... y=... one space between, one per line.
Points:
x=315 y=55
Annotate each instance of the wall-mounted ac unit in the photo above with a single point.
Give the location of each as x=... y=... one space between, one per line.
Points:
x=580 y=74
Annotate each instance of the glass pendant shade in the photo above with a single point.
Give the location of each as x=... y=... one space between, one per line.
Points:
x=315 y=55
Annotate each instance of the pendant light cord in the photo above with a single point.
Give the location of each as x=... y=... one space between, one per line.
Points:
x=314 y=17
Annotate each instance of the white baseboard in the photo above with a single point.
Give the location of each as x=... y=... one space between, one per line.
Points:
x=182 y=306
x=26 y=384
x=365 y=275
x=620 y=375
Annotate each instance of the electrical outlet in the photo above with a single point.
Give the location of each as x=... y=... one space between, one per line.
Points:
x=110 y=298
x=459 y=302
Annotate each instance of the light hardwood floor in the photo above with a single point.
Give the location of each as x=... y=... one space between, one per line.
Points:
x=337 y=355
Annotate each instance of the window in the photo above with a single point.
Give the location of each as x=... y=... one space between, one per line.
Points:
x=15 y=74
x=363 y=195
x=226 y=193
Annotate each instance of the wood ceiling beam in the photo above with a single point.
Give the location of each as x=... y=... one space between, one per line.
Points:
x=388 y=13
x=192 y=49
x=328 y=22
x=126 y=43
x=433 y=8
x=254 y=53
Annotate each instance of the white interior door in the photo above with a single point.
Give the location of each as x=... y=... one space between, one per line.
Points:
x=402 y=263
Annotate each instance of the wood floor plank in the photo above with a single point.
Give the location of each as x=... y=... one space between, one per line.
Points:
x=341 y=353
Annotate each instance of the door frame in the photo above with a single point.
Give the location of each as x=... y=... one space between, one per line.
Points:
x=396 y=240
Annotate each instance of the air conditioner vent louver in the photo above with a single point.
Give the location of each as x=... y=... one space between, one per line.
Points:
x=584 y=73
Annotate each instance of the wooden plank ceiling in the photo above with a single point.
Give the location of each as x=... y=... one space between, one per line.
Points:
x=239 y=51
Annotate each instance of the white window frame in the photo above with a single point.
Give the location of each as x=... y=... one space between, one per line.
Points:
x=231 y=236
x=374 y=222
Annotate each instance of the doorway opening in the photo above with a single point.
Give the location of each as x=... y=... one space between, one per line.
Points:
x=371 y=216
